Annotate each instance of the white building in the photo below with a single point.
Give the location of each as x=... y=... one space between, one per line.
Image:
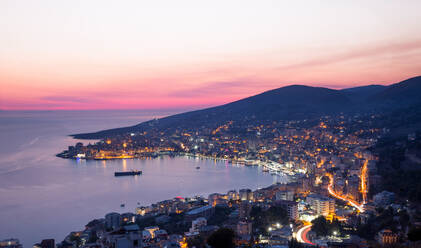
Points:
x=246 y=195
x=233 y=195
x=286 y=195
x=321 y=205
x=196 y=225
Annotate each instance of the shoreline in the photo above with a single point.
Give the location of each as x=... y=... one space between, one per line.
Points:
x=272 y=167
x=203 y=196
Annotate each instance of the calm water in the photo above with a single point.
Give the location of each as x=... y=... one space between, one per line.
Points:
x=42 y=196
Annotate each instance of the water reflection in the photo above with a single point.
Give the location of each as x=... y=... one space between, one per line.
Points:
x=124 y=165
x=42 y=187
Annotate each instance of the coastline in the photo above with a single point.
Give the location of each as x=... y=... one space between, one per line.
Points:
x=204 y=197
x=272 y=167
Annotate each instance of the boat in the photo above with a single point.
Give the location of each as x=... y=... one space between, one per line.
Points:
x=127 y=173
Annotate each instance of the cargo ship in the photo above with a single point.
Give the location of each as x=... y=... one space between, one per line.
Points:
x=128 y=173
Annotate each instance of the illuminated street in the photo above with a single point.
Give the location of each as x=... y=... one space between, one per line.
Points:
x=302 y=235
x=351 y=202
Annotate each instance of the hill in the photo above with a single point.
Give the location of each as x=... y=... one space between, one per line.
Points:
x=362 y=93
x=402 y=94
x=295 y=102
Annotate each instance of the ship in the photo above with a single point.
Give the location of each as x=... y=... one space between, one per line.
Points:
x=127 y=173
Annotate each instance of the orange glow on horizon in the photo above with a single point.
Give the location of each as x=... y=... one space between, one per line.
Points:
x=192 y=54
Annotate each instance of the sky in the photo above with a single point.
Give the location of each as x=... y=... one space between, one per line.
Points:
x=157 y=54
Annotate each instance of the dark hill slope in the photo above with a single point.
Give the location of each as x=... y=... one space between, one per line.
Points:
x=362 y=93
x=293 y=102
x=290 y=102
x=401 y=94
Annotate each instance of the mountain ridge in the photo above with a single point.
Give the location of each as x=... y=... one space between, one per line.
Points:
x=292 y=102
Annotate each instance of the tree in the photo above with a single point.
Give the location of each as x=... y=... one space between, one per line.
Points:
x=320 y=226
x=197 y=242
x=414 y=234
x=264 y=218
x=75 y=239
x=93 y=237
x=293 y=243
x=222 y=238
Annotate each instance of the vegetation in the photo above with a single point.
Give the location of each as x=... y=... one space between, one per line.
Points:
x=197 y=241
x=222 y=238
x=176 y=225
x=76 y=239
x=293 y=243
x=145 y=222
x=220 y=215
x=323 y=227
x=399 y=175
x=386 y=219
x=414 y=234
x=262 y=219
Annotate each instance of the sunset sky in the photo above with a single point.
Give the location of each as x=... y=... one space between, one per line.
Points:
x=95 y=54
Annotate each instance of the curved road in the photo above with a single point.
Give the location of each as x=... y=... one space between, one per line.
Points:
x=302 y=235
x=351 y=202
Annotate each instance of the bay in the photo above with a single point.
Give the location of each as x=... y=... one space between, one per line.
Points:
x=43 y=196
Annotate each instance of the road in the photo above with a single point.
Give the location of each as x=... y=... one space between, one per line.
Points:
x=351 y=202
x=302 y=235
x=364 y=181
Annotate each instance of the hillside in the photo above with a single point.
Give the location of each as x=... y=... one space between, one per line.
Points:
x=295 y=102
x=404 y=93
x=362 y=93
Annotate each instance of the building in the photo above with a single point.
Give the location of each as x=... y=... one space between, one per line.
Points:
x=205 y=211
x=217 y=199
x=387 y=237
x=151 y=230
x=161 y=234
x=112 y=220
x=233 y=195
x=246 y=195
x=320 y=204
x=244 y=210
x=128 y=218
x=244 y=228
x=10 y=243
x=196 y=225
x=291 y=207
x=286 y=195
x=124 y=240
x=48 y=243
x=280 y=237
x=383 y=198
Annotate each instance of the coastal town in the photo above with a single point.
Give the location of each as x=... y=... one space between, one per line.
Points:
x=327 y=200
x=210 y=124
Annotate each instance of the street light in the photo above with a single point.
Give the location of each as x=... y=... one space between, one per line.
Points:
x=278 y=225
x=335 y=233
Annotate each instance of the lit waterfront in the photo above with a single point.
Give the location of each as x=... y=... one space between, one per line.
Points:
x=47 y=197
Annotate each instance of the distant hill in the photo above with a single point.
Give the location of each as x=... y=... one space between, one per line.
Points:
x=405 y=93
x=362 y=93
x=295 y=102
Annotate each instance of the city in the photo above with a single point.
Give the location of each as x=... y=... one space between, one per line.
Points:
x=329 y=167
x=210 y=124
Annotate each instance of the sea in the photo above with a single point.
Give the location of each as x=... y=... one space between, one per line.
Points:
x=43 y=196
